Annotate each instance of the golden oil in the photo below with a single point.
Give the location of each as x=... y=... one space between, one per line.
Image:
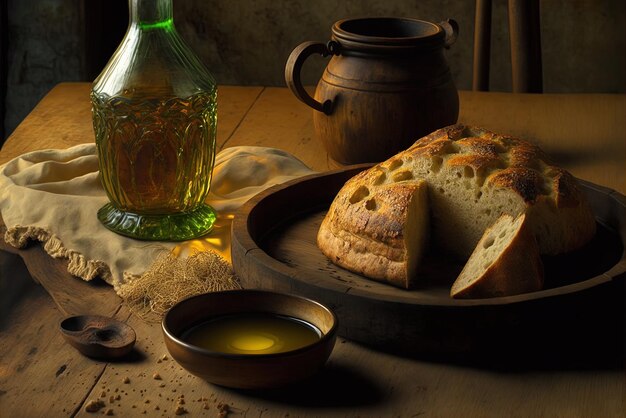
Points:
x=254 y=333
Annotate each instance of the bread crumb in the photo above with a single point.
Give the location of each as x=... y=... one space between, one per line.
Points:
x=223 y=409
x=162 y=385
x=146 y=401
x=163 y=357
x=156 y=407
x=111 y=399
x=118 y=397
x=94 y=406
x=206 y=405
x=180 y=410
x=103 y=394
x=108 y=412
x=126 y=380
x=156 y=376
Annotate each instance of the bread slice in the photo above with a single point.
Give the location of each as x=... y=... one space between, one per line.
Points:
x=505 y=262
x=379 y=231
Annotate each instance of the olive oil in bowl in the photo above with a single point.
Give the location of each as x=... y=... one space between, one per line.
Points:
x=250 y=339
x=252 y=333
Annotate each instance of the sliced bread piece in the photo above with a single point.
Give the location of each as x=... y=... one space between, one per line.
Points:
x=505 y=262
x=379 y=231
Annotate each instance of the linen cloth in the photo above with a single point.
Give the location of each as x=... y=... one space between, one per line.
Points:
x=52 y=196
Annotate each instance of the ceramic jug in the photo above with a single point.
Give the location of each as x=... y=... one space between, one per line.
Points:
x=387 y=84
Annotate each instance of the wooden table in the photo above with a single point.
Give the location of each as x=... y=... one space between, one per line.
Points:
x=41 y=376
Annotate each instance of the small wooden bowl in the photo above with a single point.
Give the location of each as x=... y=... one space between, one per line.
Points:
x=98 y=336
x=249 y=371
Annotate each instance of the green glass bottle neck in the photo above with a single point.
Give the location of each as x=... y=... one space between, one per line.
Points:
x=151 y=14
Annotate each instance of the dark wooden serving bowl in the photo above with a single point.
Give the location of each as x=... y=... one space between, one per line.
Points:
x=249 y=371
x=582 y=304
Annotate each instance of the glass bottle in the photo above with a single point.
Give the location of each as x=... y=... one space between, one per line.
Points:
x=154 y=109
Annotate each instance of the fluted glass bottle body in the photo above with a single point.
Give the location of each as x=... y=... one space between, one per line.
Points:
x=155 y=115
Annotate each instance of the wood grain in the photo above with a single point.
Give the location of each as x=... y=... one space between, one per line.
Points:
x=358 y=381
x=63 y=119
x=47 y=127
x=40 y=375
x=279 y=120
x=584 y=133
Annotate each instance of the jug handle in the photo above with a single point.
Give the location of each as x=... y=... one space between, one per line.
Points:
x=294 y=66
x=451 y=29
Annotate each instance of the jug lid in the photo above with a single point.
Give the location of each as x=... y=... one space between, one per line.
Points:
x=387 y=34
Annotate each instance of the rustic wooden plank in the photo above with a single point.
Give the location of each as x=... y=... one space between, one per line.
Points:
x=72 y=295
x=584 y=133
x=279 y=120
x=46 y=127
x=44 y=365
x=155 y=384
x=233 y=104
x=63 y=118
x=358 y=381
x=39 y=374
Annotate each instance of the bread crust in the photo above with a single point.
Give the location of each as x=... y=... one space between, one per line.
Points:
x=366 y=233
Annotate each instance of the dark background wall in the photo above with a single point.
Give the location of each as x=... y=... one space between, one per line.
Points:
x=247 y=42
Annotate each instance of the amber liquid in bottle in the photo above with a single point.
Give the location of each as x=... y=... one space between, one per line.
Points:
x=156 y=155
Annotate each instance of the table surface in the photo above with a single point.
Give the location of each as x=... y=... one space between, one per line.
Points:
x=41 y=376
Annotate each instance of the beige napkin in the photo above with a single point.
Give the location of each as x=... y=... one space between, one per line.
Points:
x=52 y=196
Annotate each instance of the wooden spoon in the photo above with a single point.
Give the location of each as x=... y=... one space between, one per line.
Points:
x=98 y=336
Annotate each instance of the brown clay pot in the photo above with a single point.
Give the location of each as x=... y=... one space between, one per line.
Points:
x=386 y=85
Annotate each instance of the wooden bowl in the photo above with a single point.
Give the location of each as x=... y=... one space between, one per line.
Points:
x=249 y=371
x=580 y=308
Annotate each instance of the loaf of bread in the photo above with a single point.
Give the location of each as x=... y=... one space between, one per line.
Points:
x=473 y=176
x=505 y=262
